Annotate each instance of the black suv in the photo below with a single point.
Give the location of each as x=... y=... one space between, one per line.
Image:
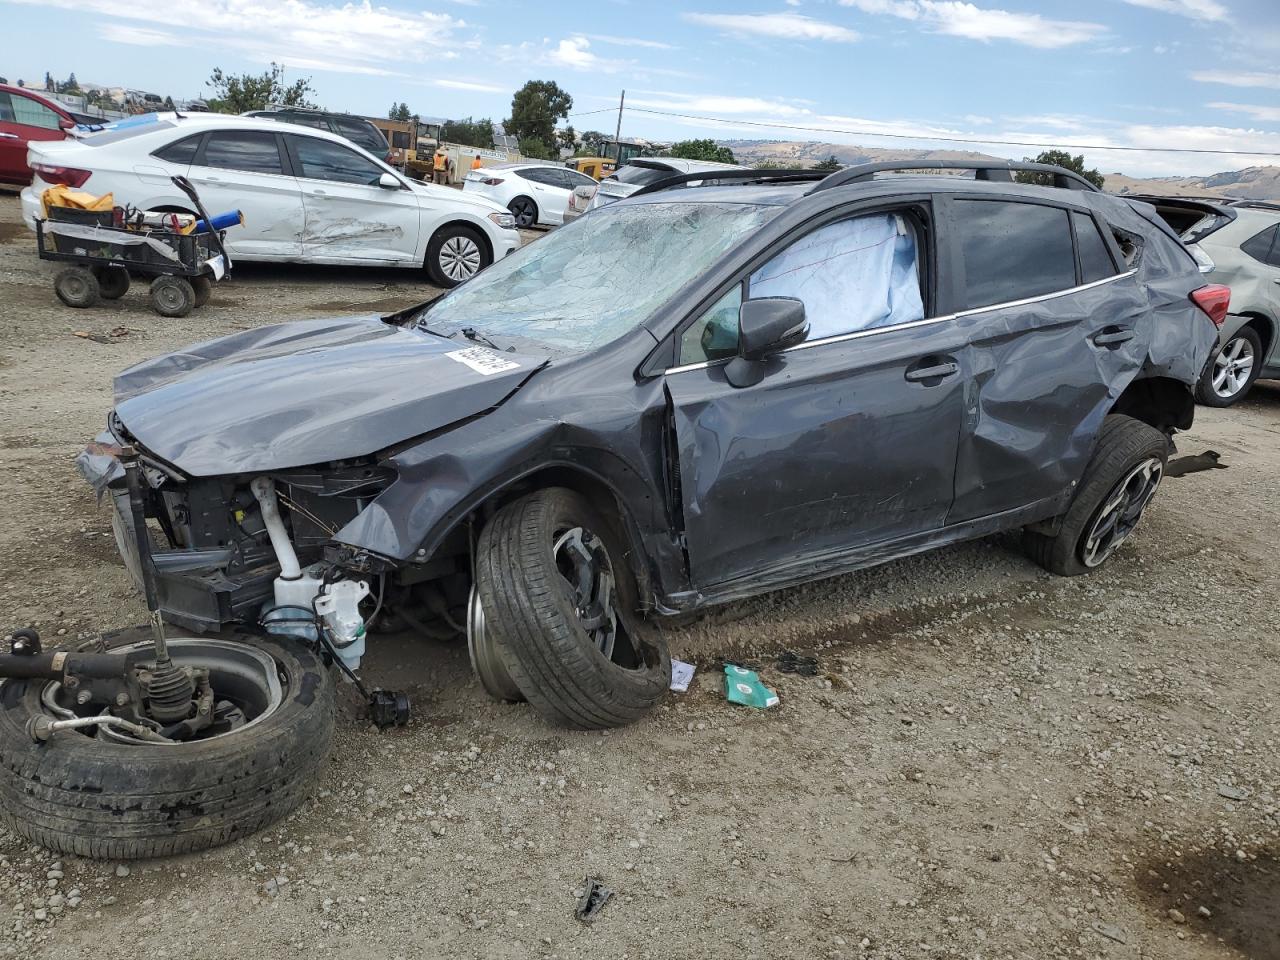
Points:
x=356 y=129
x=686 y=397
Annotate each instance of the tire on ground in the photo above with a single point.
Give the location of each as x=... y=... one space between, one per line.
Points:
x=1123 y=443
x=172 y=296
x=203 y=288
x=76 y=287
x=77 y=795
x=536 y=628
x=113 y=282
x=438 y=240
x=1205 y=393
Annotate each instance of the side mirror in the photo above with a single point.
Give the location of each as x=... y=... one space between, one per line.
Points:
x=765 y=327
x=388 y=182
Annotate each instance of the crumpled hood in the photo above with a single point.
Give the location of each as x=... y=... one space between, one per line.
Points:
x=307 y=392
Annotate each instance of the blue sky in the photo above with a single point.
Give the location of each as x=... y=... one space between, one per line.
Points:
x=1141 y=73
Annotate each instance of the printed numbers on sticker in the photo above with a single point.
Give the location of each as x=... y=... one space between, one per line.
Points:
x=483 y=361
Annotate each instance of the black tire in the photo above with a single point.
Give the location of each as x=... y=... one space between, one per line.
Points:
x=76 y=287
x=203 y=288
x=1245 y=342
x=1124 y=445
x=172 y=296
x=450 y=260
x=89 y=797
x=525 y=210
x=113 y=282
x=535 y=623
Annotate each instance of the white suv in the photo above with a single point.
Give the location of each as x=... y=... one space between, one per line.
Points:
x=307 y=195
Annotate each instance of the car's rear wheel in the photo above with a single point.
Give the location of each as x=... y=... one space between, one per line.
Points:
x=102 y=792
x=113 y=282
x=524 y=210
x=76 y=287
x=1231 y=372
x=456 y=253
x=560 y=606
x=1118 y=485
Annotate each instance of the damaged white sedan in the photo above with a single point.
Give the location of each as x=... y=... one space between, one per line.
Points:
x=307 y=196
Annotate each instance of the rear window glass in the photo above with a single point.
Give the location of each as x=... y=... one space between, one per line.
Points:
x=639 y=175
x=361 y=133
x=126 y=131
x=1095 y=258
x=1262 y=246
x=181 y=151
x=254 y=151
x=1012 y=251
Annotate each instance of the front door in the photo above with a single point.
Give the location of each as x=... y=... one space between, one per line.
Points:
x=349 y=216
x=1055 y=332
x=245 y=170
x=23 y=119
x=849 y=440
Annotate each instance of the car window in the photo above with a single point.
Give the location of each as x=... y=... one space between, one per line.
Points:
x=577 y=179
x=714 y=335
x=1012 y=251
x=253 y=151
x=851 y=275
x=364 y=134
x=325 y=160
x=1263 y=247
x=538 y=175
x=1095 y=258
x=180 y=151
x=15 y=108
x=639 y=175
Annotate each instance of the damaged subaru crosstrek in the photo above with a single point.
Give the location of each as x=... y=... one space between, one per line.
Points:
x=700 y=393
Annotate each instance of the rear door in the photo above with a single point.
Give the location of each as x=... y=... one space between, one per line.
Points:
x=550 y=193
x=246 y=170
x=1056 y=330
x=23 y=119
x=348 y=216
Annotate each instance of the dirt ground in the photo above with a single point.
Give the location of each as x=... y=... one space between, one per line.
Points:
x=993 y=763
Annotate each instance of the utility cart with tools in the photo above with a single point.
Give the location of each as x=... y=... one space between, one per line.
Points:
x=104 y=249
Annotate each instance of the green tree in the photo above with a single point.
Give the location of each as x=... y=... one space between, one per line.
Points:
x=567 y=138
x=535 y=108
x=701 y=150
x=1059 y=158
x=236 y=94
x=71 y=86
x=400 y=111
x=592 y=143
x=831 y=163
x=468 y=132
x=168 y=103
x=49 y=83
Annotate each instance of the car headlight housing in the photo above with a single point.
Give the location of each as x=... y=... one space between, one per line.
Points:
x=504 y=220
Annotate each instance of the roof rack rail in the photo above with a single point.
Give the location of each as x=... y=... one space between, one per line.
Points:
x=742 y=176
x=1256 y=204
x=999 y=170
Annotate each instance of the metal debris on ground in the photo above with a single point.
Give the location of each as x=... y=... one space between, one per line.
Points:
x=1232 y=793
x=1209 y=460
x=594 y=896
x=743 y=686
x=1110 y=931
x=789 y=662
x=681 y=675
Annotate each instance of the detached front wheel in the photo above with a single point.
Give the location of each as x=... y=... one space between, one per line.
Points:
x=559 y=609
x=101 y=792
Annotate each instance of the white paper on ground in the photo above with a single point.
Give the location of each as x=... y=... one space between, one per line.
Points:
x=681 y=675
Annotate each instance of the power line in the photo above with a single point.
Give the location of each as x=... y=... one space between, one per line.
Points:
x=970 y=140
x=589 y=113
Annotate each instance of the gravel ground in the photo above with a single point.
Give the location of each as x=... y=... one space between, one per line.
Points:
x=992 y=762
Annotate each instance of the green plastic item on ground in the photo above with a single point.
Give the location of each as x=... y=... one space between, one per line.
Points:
x=743 y=686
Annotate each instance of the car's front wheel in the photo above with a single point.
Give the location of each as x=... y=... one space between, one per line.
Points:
x=560 y=610
x=1231 y=373
x=456 y=253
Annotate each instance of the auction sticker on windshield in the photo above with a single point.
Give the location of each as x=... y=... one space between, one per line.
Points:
x=482 y=360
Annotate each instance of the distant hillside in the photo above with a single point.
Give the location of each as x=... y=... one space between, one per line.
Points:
x=1254 y=183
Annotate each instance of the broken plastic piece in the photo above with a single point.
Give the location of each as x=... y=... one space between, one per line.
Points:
x=789 y=662
x=594 y=896
x=744 y=687
x=681 y=675
x=388 y=708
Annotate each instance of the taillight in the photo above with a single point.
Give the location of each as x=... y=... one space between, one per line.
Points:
x=69 y=176
x=1213 y=299
x=491 y=181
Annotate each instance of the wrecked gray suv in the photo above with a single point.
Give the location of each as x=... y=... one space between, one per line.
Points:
x=691 y=396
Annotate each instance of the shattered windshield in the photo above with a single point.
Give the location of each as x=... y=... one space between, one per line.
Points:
x=590 y=282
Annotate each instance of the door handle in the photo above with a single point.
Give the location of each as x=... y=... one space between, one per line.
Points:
x=317 y=193
x=936 y=369
x=1113 y=336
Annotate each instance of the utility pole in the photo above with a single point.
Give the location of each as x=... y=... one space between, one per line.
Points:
x=617 y=133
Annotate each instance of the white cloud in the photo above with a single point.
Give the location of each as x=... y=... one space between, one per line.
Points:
x=959 y=19
x=316 y=34
x=469 y=85
x=573 y=53
x=1195 y=9
x=630 y=42
x=784 y=26
x=715 y=104
x=139 y=36
x=1265 y=114
x=1232 y=78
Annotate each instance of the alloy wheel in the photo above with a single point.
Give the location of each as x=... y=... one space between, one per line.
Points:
x=460 y=258
x=584 y=564
x=1232 y=367
x=524 y=212
x=1121 y=511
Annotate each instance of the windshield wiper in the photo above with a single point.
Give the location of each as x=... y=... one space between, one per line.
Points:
x=475 y=336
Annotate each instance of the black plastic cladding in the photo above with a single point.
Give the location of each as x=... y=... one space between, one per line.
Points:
x=832 y=462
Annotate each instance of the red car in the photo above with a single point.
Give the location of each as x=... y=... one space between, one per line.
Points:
x=24 y=116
